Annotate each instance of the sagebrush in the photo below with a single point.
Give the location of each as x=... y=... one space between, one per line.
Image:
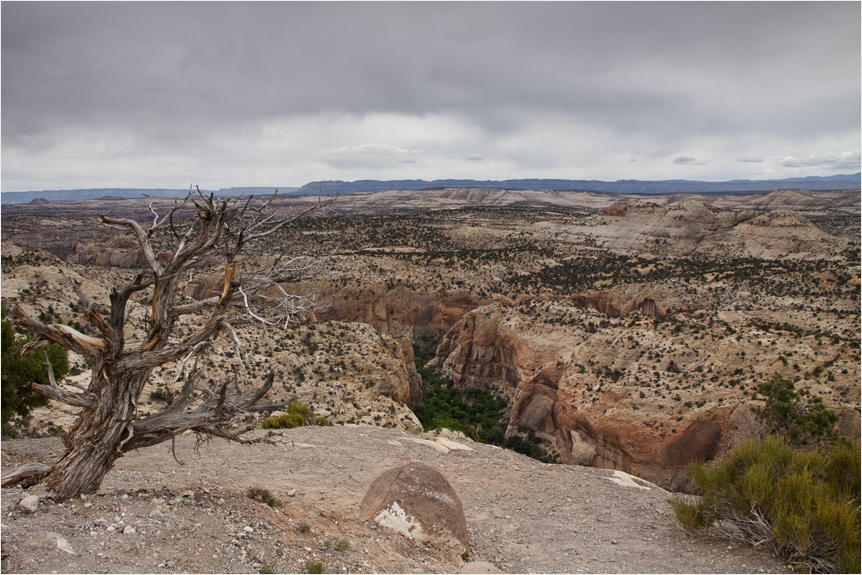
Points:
x=801 y=503
x=298 y=414
x=264 y=496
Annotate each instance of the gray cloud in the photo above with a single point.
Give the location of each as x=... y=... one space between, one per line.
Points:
x=845 y=160
x=102 y=92
x=688 y=161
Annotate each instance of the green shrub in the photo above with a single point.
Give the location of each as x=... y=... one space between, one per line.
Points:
x=337 y=544
x=297 y=415
x=20 y=372
x=162 y=394
x=313 y=567
x=303 y=527
x=803 y=503
x=264 y=496
x=300 y=409
x=799 y=417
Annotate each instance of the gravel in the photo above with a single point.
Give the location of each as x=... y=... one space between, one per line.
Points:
x=154 y=515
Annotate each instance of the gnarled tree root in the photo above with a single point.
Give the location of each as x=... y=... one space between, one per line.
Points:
x=26 y=475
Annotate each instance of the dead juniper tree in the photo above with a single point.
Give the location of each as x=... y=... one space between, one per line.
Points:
x=198 y=228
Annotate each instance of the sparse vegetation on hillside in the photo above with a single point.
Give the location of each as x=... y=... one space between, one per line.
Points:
x=568 y=284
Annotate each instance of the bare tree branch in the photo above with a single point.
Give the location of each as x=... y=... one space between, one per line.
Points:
x=77 y=289
x=205 y=418
x=142 y=237
x=70 y=338
x=53 y=391
x=26 y=475
x=197 y=307
x=194 y=351
x=197 y=228
x=182 y=400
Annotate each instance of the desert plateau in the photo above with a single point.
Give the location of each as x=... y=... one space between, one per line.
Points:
x=622 y=335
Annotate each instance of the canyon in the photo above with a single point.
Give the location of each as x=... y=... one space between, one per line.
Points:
x=625 y=331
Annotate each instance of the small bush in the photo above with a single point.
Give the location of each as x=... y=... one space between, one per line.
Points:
x=803 y=503
x=337 y=544
x=303 y=527
x=301 y=409
x=264 y=496
x=20 y=372
x=313 y=567
x=803 y=419
x=297 y=415
x=268 y=568
x=162 y=394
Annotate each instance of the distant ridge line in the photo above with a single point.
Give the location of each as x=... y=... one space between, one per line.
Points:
x=329 y=187
x=813 y=183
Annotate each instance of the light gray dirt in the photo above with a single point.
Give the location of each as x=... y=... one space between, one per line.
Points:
x=523 y=516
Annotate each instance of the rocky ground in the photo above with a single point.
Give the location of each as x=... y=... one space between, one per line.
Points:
x=153 y=514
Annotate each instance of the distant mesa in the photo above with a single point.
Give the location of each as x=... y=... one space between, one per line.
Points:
x=837 y=182
x=337 y=187
x=37 y=201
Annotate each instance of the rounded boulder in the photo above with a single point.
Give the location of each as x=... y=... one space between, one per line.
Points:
x=418 y=502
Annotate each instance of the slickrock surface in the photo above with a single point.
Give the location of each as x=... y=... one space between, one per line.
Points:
x=154 y=515
x=694 y=228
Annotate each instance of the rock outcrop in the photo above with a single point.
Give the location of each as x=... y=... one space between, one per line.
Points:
x=692 y=228
x=408 y=388
x=117 y=252
x=400 y=312
x=614 y=304
x=591 y=436
x=418 y=502
x=480 y=351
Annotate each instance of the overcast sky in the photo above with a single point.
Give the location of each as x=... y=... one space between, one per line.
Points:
x=282 y=93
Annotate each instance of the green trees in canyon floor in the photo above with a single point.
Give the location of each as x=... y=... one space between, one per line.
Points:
x=479 y=414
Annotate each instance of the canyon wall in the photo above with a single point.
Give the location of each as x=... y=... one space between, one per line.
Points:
x=400 y=312
x=638 y=395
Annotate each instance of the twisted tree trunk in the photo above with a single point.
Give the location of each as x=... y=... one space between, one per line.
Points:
x=96 y=440
x=108 y=425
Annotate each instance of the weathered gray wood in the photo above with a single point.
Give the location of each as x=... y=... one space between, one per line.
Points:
x=108 y=425
x=26 y=474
